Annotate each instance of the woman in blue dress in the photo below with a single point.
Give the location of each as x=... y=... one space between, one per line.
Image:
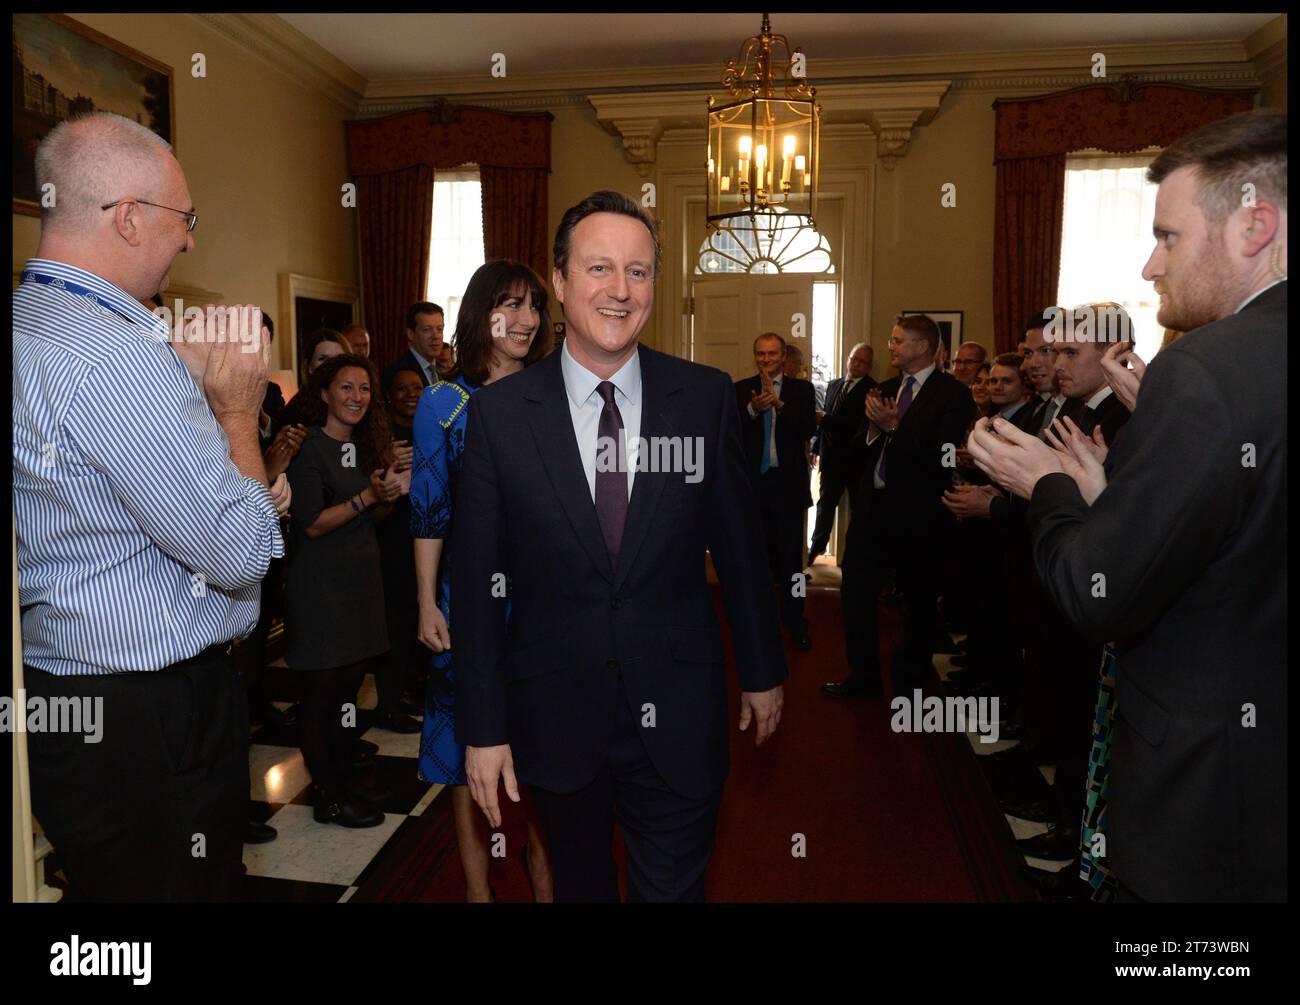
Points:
x=502 y=327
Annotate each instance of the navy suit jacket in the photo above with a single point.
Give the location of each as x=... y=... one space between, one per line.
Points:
x=406 y=361
x=547 y=681
x=796 y=423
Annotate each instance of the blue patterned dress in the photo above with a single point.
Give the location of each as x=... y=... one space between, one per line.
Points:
x=439 y=443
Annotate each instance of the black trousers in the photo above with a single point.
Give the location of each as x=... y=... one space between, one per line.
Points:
x=668 y=837
x=327 y=729
x=399 y=669
x=832 y=486
x=154 y=811
x=782 y=520
x=913 y=558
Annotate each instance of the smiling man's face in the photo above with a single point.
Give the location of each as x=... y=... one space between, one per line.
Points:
x=608 y=289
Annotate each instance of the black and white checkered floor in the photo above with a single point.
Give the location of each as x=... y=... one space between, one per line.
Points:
x=315 y=862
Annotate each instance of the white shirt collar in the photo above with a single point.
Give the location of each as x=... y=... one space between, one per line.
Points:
x=580 y=383
x=1258 y=292
x=921 y=376
x=1099 y=397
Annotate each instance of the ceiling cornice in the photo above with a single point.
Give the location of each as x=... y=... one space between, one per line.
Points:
x=1128 y=57
x=284 y=47
x=1266 y=48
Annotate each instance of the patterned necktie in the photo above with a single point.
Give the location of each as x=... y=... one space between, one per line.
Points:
x=845 y=388
x=611 y=486
x=904 y=403
x=1049 y=414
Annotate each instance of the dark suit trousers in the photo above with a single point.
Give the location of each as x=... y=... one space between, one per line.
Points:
x=668 y=837
x=832 y=486
x=155 y=811
x=782 y=519
x=915 y=562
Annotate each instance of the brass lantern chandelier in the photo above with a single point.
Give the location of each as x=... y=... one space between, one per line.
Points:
x=763 y=164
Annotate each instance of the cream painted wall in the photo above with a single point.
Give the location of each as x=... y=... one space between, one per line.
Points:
x=264 y=157
x=928 y=257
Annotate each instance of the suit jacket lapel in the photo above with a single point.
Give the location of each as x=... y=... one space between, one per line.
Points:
x=659 y=418
x=552 y=429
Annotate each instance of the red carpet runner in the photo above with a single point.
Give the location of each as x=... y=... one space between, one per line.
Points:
x=883 y=816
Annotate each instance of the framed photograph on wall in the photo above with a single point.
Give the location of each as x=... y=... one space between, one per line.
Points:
x=949 y=323
x=62 y=68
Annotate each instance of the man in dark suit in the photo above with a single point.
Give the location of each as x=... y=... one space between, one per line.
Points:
x=1187 y=536
x=605 y=690
x=913 y=427
x=424 y=327
x=778 y=418
x=838 y=462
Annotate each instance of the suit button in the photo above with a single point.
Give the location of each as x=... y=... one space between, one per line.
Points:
x=611 y=664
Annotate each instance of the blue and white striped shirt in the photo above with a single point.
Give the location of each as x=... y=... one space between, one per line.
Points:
x=139 y=542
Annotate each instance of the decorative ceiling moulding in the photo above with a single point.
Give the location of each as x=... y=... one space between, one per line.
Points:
x=704 y=75
x=1235 y=75
x=278 y=43
x=890 y=109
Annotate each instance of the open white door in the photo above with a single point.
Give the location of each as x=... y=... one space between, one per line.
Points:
x=729 y=312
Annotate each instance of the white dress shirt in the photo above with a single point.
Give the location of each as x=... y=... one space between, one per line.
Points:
x=586 y=404
x=430 y=371
x=771 y=440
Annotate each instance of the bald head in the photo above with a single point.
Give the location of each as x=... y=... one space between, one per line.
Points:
x=94 y=160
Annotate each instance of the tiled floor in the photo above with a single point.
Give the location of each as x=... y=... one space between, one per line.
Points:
x=311 y=862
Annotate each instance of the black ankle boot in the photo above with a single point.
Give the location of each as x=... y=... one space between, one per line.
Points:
x=342 y=809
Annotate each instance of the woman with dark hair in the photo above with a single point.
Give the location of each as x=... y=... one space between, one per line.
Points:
x=503 y=326
x=343 y=477
x=320 y=345
x=979 y=390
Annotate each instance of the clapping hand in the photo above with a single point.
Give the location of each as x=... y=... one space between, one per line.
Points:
x=1081 y=458
x=283 y=449
x=386 y=484
x=882 y=411
x=403 y=455
x=281 y=494
x=1123 y=381
x=969 y=501
x=1013 y=459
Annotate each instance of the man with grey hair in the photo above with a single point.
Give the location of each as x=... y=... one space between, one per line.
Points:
x=968 y=359
x=144 y=525
x=358 y=338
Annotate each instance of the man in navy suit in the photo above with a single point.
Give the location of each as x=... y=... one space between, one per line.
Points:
x=913 y=426
x=593 y=483
x=778 y=416
x=424 y=327
x=838 y=462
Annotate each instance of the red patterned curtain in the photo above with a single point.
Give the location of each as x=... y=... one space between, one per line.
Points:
x=393 y=160
x=1033 y=136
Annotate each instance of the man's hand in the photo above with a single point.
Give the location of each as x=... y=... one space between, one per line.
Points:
x=765 y=708
x=1013 y=459
x=433 y=627
x=281 y=494
x=1081 y=458
x=484 y=767
x=1123 y=381
x=883 y=412
x=282 y=450
x=235 y=378
x=762 y=402
x=969 y=501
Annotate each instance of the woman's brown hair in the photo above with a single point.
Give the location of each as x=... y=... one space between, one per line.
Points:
x=372 y=435
x=491 y=286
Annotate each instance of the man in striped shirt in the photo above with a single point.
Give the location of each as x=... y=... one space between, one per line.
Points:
x=144 y=525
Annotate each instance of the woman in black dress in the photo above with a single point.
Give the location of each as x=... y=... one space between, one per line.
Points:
x=343 y=479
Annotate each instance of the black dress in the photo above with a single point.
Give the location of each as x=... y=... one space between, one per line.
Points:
x=334 y=593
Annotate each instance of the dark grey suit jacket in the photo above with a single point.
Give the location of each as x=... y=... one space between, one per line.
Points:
x=1190 y=537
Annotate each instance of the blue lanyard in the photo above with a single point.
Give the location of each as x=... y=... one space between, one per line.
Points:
x=84 y=291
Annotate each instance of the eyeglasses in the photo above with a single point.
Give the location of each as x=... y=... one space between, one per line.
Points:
x=191 y=218
x=902 y=341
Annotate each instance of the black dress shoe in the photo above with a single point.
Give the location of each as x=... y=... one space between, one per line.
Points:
x=1039 y=811
x=258 y=833
x=803 y=643
x=1062 y=886
x=376 y=795
x=345 y=811
x=396 y=722
x=1059 y=844
x=366 y=747
x=410 y=706
x=850 y=689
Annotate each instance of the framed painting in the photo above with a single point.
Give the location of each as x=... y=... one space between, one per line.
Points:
x=61 y=69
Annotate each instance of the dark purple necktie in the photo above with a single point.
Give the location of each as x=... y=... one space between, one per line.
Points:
x=611 y=486
x=904 y=403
